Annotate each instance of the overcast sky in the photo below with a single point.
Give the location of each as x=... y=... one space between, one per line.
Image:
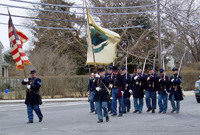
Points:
x=17 y=11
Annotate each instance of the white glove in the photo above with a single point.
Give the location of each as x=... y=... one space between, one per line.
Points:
x=97 y=76
x=26 y=80
x=111 y=98
x=135 y=78
x=110 y=86
x=122 y=93
x=159 y=80
x=98 y=88
x=28 y=86
x=130 y=91
x=172 y=80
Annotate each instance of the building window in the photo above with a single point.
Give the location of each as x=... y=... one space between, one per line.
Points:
x=2 y=72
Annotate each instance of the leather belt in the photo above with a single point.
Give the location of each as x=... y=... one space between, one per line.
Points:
x=116 y=86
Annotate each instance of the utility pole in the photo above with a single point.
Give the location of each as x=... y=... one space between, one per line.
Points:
x=159 y=35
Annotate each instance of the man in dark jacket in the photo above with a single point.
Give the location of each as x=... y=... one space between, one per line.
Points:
x=32 y=96
x=137 y=85
x=91 y=92
x=163 y=88
x=150 y=89
x=126 y=96
x=101 y=95
x=176 y=92
x=109 y=74
x=118 y=86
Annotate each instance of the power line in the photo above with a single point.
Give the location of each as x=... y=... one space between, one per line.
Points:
x=66 y=12
x=179 y=19
x=178 y=26
x=26 y=17
x=180 y=15
x=57 y=5
x=58 y=28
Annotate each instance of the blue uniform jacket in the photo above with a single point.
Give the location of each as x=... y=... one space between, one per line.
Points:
x=109 y=76
x=127 y=86
x=152 y=84
x=103 y=95
x=163 y=85
x=138 y=85
x=178 y=95
x=32 y=94
x=90 y=82
x=118 y=80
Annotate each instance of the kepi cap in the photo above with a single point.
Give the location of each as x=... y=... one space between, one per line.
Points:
x=161 y=70
x=123 y=68
x=33 y=71
x=150 y=68
x=139 y=67
x=102 y=70
x=175 y=69
x=110 y=67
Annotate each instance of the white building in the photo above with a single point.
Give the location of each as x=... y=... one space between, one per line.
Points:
x=170 y=64
x=3 y=65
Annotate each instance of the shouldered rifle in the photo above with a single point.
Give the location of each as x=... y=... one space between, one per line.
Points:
x=144 y=66
x=164 y=71
x=179 y=70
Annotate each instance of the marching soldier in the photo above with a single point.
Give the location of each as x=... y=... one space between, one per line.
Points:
x=32 y=96
x=126 y=96
x=150 y=90
x=109 y=74
x=118 y=86
x=137 y=85
x=163 y=88
x=91 y=92
x=176 y=92
x=101 y=96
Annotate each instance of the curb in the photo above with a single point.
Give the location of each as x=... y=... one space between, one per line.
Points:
x=46 y=100
x=186 y=93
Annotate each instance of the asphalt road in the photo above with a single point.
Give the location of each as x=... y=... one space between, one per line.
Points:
x=73 y=118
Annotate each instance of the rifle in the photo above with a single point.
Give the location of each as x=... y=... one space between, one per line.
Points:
x=164 y=71
x=179 y=70
x=144 y=66
x=154 y=63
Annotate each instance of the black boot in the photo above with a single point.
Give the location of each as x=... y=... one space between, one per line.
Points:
x=135 y=111
x=149 y=109
x=40 y=120
x=153 y=111
x=29 y=122
x=173 y=110
x=107 y=118
x=100 y=121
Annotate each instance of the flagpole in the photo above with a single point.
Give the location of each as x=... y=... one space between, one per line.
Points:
x=95 y=67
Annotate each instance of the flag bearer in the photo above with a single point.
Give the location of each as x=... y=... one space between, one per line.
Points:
x=32 y=96
x=101 y=95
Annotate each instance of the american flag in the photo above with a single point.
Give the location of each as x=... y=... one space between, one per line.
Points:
x=17 y=38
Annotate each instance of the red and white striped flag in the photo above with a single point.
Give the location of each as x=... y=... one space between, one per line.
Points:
x=17 y=39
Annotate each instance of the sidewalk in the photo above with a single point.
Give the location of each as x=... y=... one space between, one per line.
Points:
x=186 y=93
